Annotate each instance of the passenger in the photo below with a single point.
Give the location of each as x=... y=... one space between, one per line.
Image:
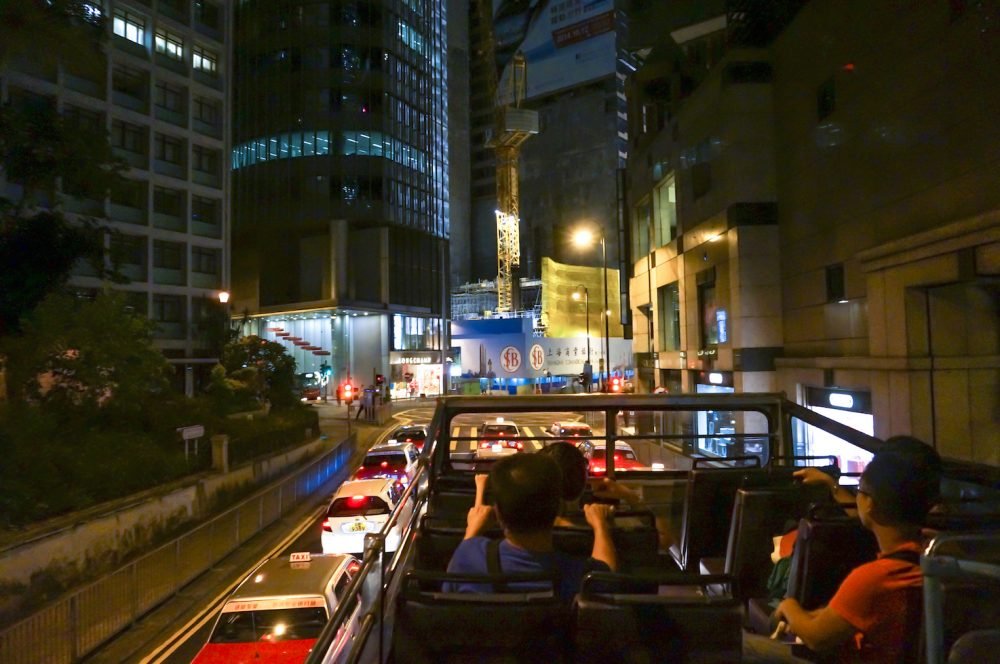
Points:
x=527 y=490
x=875 y=614
x=573 y=467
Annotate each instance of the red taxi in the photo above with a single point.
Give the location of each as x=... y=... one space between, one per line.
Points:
x=278 y=611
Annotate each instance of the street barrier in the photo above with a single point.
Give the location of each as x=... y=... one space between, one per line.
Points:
x=79 y=623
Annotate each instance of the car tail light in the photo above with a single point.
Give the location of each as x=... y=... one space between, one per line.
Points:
x=385 y=464
x=356 y=501
x=519 y=445
x=353 y=567
x=327 y=527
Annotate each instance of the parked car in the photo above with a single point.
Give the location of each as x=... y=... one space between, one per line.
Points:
x=278 y=611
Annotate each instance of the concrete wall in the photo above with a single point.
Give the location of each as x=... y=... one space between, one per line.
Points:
x=91 y=539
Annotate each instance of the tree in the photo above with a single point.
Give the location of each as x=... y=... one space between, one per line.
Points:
x=85 y=356
x=274 y=366
x=48 y=156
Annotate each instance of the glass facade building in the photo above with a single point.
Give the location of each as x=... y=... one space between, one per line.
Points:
x=340 y=170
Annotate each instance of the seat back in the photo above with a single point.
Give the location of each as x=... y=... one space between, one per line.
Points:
x=962 y=590
x=829 y=546
x=689 y=627
x=759 y=515
x=435 y=627
x=708 y=509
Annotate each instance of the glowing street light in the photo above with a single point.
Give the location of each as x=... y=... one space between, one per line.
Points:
x=584 y=238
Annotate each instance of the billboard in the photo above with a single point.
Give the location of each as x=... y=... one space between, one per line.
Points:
x=564 y=42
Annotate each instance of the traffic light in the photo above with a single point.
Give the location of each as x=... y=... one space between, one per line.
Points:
x=325 y=369
x=379 y=379
x=348 y=391
x=616 y=384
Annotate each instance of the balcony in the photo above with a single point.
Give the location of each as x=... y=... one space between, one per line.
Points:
x=169 y=222
x=168 y=277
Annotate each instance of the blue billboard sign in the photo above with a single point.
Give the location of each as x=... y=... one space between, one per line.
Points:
x=564 y=42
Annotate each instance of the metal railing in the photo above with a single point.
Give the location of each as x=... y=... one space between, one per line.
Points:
x=82 y=621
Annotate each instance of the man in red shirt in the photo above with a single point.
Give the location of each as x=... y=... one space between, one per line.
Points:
x=875 y=614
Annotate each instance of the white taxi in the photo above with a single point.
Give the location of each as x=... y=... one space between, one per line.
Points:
x=278 y=611
x=360 y=507
x=498 y=438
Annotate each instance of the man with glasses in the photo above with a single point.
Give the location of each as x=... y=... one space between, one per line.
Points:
x=875 y=614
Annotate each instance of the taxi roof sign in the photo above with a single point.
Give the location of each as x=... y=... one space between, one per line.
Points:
x=300 y=557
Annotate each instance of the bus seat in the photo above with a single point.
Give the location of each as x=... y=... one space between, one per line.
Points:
x=977 y=646
x=689 y=626
x=759 y=515
x=829 y=546
x=635 y=540
x=961 y=600
x=433 y=627
x=708 y=507
x=436 y=541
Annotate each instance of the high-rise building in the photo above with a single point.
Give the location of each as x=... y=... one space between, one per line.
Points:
x=160 y=88
x=568 y=170
x=340 y=183
x=813 y=211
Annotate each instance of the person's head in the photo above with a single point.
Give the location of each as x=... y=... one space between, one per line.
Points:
x=526 y=492
x=573 y=466
x=900 y=484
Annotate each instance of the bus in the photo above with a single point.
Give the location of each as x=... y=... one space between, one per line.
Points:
x=694 y=555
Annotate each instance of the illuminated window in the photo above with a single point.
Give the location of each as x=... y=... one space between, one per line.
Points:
x=169 y=44
x=130 y=26
x=205 y=60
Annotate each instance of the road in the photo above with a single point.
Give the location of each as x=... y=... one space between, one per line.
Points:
x=176 y=630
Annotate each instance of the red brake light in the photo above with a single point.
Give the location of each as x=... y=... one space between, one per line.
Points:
x=353 y=567
x=356 y=501
x=327 y=527
x=520 y=445
x=385 y=464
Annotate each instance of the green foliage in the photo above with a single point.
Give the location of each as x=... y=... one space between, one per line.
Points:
x=230 y=394
x=275 y=369
x=53 y=31
x=37 y=253
x=77 y=357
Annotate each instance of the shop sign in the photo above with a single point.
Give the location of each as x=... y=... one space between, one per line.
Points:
x=414 y=358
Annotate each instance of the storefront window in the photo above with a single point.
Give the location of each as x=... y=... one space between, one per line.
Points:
x=415 y=333
x=718 y=425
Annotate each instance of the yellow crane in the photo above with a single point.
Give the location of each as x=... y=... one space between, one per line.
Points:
x=512 y=126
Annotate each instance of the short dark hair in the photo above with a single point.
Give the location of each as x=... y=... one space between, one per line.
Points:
x=526 y=492
x=903 y=479
x=573 y=466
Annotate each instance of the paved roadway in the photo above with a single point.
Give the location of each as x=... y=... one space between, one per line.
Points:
x=176 y=630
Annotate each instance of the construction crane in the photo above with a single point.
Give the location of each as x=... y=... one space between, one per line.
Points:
x=512 y=126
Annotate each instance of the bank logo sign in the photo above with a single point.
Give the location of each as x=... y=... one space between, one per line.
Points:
x=536 y=357
x=510 y=359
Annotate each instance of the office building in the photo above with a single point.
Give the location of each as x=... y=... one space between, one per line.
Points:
x=340 y=174
x=160 y=87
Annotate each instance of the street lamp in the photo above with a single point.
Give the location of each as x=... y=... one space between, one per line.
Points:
x=588 y=371
x=584 y=238
x=586 y=295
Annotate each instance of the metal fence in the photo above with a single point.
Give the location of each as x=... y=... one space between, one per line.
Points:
x=79 y=623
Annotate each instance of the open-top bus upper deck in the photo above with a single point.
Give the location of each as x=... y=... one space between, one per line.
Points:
x=714 y=473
